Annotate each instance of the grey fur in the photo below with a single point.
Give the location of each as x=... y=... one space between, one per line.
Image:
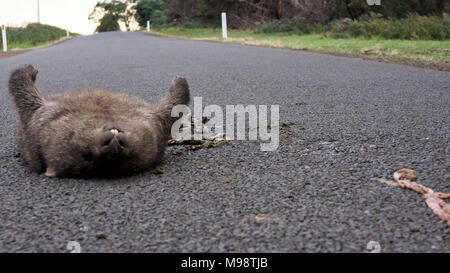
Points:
x=69 y=134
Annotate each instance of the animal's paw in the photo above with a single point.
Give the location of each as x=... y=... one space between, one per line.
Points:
x=179 y=83
x=24 y=73
x=179 y=90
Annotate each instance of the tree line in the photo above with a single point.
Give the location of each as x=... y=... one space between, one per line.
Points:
x=252 y=13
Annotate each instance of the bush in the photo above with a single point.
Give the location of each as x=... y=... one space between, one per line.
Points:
x=184 y=25
x=413 y=27
x=33 y=34
x=193 y=24
x=298 y=26
x=273 y=26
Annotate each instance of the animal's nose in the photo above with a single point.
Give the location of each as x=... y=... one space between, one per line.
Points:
x=113 y=141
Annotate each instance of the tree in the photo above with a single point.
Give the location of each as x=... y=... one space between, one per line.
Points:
x=388 y=8
x=108 y=23
x=153 y=10
x=115 y=10
x=180 y=11
x=253 y=13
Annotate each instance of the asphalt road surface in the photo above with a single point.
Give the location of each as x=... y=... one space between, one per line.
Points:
x=348 y=122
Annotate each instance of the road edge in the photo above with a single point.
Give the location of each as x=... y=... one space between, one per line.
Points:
x=19 y=51
x=437 y=67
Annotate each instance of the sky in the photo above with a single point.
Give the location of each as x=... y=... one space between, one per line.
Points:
x=66 y=14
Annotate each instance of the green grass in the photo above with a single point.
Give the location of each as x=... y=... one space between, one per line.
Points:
x=421 y=52
x=33 y=35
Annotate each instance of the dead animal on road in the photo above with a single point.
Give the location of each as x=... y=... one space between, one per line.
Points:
x=91 y=133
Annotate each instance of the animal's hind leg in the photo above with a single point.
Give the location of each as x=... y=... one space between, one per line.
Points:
x=24 y=92
x=179 y=91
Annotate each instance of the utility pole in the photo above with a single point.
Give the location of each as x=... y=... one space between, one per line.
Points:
x=38 y=12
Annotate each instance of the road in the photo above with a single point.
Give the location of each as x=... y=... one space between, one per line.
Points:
x=348 y=122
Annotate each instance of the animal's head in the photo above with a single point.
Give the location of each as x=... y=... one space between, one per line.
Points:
x=97 y=148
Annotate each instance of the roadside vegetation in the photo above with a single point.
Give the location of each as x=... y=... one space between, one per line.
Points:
x=417 y=40
x=372 y=25
x=32 y=35
x=408 y=31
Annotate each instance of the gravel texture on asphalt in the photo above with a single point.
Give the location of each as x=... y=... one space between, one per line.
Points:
x=347 y=123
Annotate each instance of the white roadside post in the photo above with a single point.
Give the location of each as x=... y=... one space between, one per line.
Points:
x=38 y=12
x=67 y=33
x=148 y=26
x=5 y=45
x=224 y=25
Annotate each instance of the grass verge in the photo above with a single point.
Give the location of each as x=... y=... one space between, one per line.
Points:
x=33 y=35
x=424 y=53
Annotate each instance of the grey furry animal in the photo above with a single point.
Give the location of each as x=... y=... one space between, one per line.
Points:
x=91 y=133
